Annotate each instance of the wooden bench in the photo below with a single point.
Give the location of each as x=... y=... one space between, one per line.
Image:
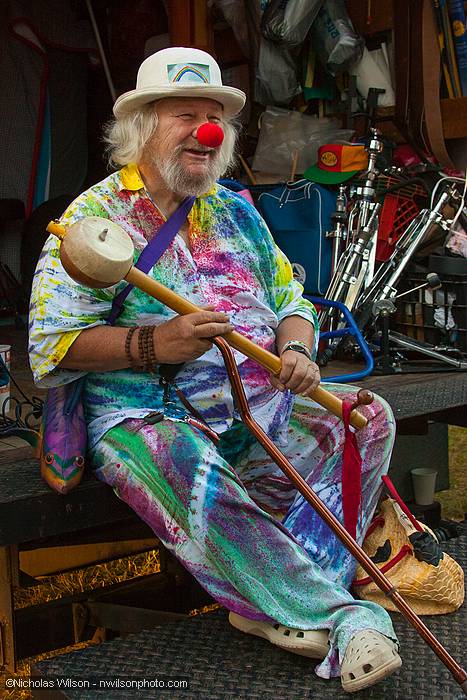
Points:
x=43 y=533
x=33 y=518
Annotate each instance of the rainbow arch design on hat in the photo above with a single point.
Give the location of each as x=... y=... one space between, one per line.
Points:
x=179 y=71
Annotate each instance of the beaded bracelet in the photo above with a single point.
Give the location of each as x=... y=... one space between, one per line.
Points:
x=141 y=334
x=128 y=354
x=152 y=354
x=147 y=354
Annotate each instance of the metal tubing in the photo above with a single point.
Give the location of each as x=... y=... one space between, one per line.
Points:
x=105 y=65
x=408 y=344
x=329 y=518
x=350 y=329
x=382 y=284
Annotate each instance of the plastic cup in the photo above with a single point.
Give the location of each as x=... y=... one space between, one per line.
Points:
x=424 y=483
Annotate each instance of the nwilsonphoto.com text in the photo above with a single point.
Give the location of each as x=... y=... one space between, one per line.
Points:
x=96 y=682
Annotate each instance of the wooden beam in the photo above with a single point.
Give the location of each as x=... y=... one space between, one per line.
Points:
x=52 y=560
x=190 y=24
x=8 y=580
x=454 y=116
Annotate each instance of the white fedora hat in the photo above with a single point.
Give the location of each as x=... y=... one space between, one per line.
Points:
x=180 y=72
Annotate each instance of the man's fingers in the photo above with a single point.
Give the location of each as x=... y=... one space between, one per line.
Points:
x=288 y=363
x=203 y=346
x=199 y=318
x=309 y=383
x=210 y=330
x=275 y=382
x=298 y=374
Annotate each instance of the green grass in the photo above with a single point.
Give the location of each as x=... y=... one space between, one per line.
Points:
x=454 y=500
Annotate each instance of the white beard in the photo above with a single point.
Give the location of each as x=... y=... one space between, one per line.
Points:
x=181 y=180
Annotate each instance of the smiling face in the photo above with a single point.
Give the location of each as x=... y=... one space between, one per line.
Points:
x=185 y=166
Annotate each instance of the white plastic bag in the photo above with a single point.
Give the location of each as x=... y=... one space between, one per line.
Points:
x=286 y=134
x=287 y=22
x=275 y=67
x=337 y=44
x=372 y=71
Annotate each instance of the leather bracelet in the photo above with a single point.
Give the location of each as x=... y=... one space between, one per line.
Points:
x=128 y=354
x=298 y=346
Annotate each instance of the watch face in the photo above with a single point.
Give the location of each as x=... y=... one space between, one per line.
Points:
x=297 y=348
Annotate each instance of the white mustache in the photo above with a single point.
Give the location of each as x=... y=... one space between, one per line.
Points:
x=196 y=147
x=199 y=150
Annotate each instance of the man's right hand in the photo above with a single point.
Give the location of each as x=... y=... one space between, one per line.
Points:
x=185 y=338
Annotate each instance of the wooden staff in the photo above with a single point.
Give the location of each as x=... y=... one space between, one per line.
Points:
x=248 y=170
x=98 y=253
x=294 y=166
x=330 y=519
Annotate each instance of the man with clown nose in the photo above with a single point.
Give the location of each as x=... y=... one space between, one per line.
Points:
x=222 y=507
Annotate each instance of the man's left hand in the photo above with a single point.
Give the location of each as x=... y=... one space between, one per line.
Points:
x=298 y=373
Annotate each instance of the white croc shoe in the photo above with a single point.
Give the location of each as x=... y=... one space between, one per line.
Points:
x=311 y=643
x=369 y=657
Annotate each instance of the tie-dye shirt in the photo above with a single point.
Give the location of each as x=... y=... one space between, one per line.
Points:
x=234 y=265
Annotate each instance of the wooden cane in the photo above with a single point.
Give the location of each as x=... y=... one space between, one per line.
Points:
x=98 y=253
x=330 y=519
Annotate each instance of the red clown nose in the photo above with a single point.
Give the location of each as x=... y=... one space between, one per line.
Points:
x=210 y=135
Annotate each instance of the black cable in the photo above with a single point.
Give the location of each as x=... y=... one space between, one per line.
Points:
x=19 y=421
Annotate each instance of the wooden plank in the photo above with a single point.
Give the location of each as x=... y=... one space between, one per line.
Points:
x=454 y=116
x=31 y=511
x=52 y=560
x=414 y=394
x=180 y=14
x=8 y=577
x=16 y=454
x=371 y=17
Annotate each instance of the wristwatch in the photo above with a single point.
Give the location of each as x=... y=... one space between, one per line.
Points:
x=298 y=346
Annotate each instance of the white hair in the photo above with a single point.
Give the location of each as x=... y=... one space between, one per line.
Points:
x=126 y=137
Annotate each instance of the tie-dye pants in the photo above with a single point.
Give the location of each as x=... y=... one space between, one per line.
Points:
x=238 y=525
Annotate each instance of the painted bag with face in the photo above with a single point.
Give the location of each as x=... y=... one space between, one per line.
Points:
x=409 y=555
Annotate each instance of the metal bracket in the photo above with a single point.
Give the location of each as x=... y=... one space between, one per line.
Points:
x=125 y=619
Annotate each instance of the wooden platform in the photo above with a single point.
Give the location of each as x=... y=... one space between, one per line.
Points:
x=434 y=395
x=219 y=663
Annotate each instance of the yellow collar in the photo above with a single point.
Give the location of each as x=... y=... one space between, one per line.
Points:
x=131 y=178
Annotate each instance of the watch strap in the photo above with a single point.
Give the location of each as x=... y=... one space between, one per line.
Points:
x=298 y=346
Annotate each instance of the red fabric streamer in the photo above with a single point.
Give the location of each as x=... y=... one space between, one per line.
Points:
x=351 y=474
